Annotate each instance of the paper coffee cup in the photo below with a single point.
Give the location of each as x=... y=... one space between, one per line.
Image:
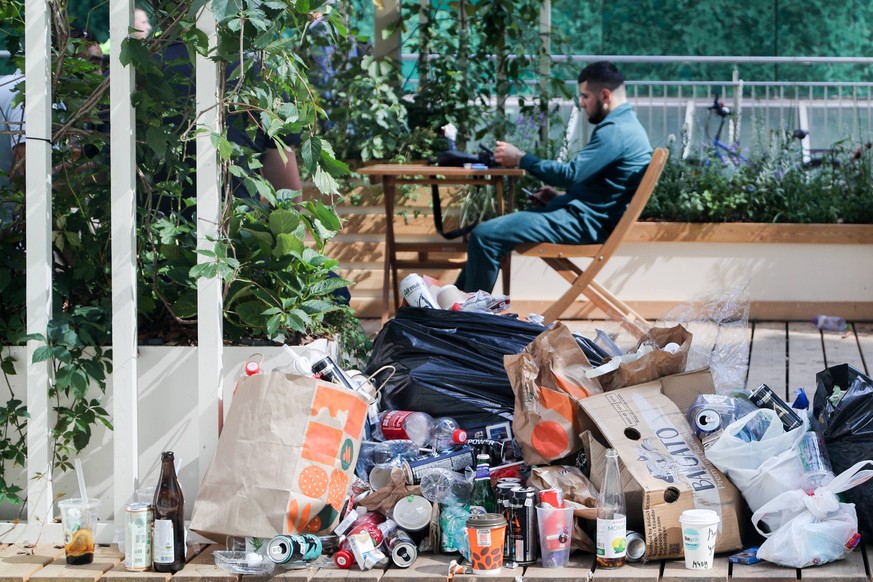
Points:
x=487 y=534
x=699 y=532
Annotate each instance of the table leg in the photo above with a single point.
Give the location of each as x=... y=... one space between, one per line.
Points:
x=390 y=264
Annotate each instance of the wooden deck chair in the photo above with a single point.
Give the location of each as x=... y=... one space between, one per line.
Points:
x=559 y=257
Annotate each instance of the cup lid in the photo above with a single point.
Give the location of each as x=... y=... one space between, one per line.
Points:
x=413 y=512
x=699 y=516
x=486 y=520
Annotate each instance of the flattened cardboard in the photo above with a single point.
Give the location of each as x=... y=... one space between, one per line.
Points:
x=664 y=470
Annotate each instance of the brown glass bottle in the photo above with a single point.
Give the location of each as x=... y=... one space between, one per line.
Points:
x=169 y=531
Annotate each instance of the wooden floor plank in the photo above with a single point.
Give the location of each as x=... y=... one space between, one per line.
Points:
x=358 y=575
x=104 y=560
x=203 y=567
x=762 y=571
x=851 y=569
x=579 y=568
x=805 y=356
x=281 y=573
x=842 y=348
x=19 y=563
x=630 y=571
x=427 y=568
x=864 y=332
x=767 y=361
x=675 y=571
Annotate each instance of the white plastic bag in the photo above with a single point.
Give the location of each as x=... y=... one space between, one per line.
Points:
x=763 y=468
x=808 y=530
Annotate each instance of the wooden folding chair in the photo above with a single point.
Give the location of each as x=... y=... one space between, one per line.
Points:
x=582 y=281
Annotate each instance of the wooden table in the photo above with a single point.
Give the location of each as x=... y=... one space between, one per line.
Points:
x=393 y=174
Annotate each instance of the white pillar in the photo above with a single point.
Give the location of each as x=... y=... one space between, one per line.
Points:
x=124 y=259
x=209 y=304
x=38 y=210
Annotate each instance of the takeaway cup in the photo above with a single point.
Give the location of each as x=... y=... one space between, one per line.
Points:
x=78 y=519
x=487 y=533
x=699 y=531
x=556 y=532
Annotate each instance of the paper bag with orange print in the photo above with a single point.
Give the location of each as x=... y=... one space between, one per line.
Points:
x=548 y=379
x=285 y=459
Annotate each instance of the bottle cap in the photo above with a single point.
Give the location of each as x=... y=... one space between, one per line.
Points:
x=252 y=368
x=343 y=559
x=459 y=436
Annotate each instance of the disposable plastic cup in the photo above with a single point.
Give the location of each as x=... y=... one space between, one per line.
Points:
x=487 y=533
x=699 y=532
x=146 y=494
x=78 y=519
x=556 y=532
x=413 y=513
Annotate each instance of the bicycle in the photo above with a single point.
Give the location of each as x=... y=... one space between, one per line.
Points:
x=728 y=154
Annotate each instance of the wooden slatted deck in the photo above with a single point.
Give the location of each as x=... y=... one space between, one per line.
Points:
x=784 y=355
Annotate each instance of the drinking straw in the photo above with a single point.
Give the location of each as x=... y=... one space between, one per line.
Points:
x=80 y=476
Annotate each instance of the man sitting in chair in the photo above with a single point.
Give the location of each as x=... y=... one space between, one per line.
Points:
x=600 y=182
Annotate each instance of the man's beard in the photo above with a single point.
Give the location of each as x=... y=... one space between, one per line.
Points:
x=599 y=113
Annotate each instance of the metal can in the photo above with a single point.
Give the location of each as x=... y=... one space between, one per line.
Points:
x=416 y=292
x=326 y=369
x=636 y=546
x=764 y=397
x=282 y=549
x=503 y=493
x=523 y=525
x=402 y=548
x=553 y=497
x=455 y=460
x=138 y=524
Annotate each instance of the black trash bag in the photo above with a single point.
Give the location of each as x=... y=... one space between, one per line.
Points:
x=847 y=428
x=450 y=363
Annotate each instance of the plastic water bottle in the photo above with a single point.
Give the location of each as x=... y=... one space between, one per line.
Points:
x=446 y=487
x=447 y=434
x=829 y=323
x=403 y=424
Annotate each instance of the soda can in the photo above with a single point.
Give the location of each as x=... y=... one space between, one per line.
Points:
x=416 y=292
x=454 y=460
x=636 y=546
x=503 y=493
x=139 y=521
x=514 y=480
x=402 y=548
x=523 y=527
x=553 y=497
x=282 y=549
x=764 y=397
x=326 y=369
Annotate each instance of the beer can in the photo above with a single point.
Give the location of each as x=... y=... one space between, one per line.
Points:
x=139 y=521
x=764 y=397
x=514 y=480
x=553 y=497
x=326 y=369
x=416 y=292
x=636 y=546
x=454 y=460
x=523 y=537
x=402 y=548
x=503 y=493
x=283 y=549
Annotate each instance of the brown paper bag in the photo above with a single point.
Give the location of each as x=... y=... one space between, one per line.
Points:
x=285 y=459
x=548 y=379
x=656 y=364
x=579 y=493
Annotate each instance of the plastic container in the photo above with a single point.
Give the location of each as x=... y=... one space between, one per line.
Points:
x=412 y=513
x=814 y=461
x=446 y=487
x=556 y=533
x=237 y=562
x=447 y=434
x=403 y=424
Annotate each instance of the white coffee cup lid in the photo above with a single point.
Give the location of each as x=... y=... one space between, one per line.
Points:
x=699 y=517
x=412 y=513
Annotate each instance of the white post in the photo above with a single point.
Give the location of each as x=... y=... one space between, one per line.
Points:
x=124 y=324
x=545 y=63
x=209 y=303
x=38 y=209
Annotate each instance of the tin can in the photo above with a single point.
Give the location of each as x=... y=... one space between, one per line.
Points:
x=764 y=397
x=139 y=521
x=514 y=480
x=326 y=369
x=523 y=526
x=553 y=497
x=416 y=292
x=282 y=549
x=636 y=546
x=503 y=493
x=402 y=548
x=455 y=460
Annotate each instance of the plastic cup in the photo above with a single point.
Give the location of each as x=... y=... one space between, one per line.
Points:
x=487 y=534
x=556 y=532
x=699 y=532
x=413 y=513
x=146 y=494
x=78 y=519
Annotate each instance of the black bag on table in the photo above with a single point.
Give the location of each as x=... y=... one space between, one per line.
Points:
x=450 y=363
x=847 y=428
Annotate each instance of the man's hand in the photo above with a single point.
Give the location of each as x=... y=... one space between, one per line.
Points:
x=507 y=155
x=545 y=195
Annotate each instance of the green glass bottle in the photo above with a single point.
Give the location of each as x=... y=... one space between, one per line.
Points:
x=482 y=500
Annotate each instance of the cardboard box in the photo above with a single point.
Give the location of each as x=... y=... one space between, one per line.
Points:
x=664 y=470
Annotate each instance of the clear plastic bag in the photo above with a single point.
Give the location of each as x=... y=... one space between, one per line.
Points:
x=719 y=324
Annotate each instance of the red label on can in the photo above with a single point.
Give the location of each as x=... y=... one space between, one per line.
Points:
x=392 y=424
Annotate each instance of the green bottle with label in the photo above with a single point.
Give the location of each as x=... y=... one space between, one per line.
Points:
x=482 y=500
